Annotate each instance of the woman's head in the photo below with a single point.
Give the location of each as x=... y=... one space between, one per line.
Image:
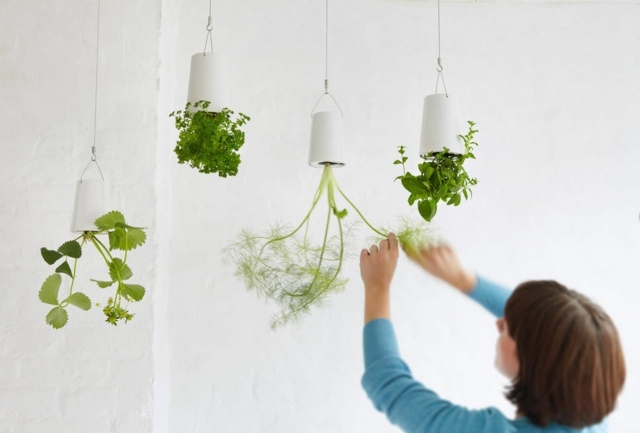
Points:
x=571 y=367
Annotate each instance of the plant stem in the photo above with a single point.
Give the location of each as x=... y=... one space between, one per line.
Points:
x=318 y=194
x=99 y=246
x=361 y=216
x=73 y=280
x=335 y=275
x=324 y=246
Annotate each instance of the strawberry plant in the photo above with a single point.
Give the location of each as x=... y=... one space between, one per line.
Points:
x=122 y=237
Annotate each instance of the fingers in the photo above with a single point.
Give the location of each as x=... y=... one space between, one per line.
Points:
x=393 y=241
x=390 y=243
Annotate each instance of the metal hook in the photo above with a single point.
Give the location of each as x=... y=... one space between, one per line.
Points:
x=332 y=98
x=94 y=160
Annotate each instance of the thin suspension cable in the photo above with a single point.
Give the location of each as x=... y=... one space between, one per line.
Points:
x=208 y=38
x=94 y=157
x=326 y=63
x=440 y=67
x=438 y=31
x=326 y=48
x=95 y=94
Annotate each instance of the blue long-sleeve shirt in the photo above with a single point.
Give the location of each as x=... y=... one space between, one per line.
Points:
x=415 y=408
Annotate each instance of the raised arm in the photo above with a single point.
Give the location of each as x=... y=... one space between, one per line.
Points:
x=442 y=262
x=387 y=379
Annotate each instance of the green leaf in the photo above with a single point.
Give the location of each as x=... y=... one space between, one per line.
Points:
x=80 y=300
x=413 y=185
x=49 y=290
x=119 y=268
x=134 y=237
x=103 y=284
x=50 y=256
x=427 y=209
x=340 y=214
x=114 y=240
x=57 y=317
x=64 y=268
x=119 y=235
x=71 y=249
x=428 y=171
x=108 y=221
x=133 y=291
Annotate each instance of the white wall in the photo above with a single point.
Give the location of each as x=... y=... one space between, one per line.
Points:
x=552 y=86
x=89 y=376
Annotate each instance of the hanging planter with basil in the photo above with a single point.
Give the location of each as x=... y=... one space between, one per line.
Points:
x=442 y=176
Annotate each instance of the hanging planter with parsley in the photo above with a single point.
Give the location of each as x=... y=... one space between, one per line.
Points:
x=209 y=136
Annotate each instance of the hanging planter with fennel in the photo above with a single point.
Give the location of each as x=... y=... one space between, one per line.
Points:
x=296 y=267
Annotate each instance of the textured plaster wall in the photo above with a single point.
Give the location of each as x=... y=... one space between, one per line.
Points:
x=552 y=86
x=89 y=376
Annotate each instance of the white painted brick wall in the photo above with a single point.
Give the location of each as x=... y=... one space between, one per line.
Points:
x=88 y=377
x=552 y=85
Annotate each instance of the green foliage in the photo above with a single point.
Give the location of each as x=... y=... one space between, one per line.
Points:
x=121 y=237
x=284 y=266
x=442 y=177
x=209 y=141
x=414 y=235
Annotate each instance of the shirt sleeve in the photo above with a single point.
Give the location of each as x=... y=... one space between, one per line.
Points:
x=491 y=296
x=409 y=404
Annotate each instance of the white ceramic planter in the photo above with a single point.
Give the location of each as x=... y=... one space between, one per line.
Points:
x=208 y=81
x=326 y=139
x=440 y=125
x=90 y=204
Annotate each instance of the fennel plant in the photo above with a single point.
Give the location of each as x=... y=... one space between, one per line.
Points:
x=284 y=266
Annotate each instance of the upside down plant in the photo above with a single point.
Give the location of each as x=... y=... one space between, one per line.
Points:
x=121 y=237
x=442 y=177
x=285 y=266
x=208 y=141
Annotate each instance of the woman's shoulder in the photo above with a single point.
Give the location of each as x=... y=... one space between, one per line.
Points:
x=524 y=425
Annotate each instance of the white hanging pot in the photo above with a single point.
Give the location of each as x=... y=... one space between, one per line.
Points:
x=208 y=81
x=440 y=125
x=90 y=204
x=326 y=139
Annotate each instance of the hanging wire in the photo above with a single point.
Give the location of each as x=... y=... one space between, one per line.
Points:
x=440 y=67
x=94 y=156
x=209 y=38
x=326 y=47
x=326 y=63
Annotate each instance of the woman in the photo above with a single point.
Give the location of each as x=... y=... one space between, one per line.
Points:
x=560 y=351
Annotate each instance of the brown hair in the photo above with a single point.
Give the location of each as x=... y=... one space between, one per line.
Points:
x=571 y=363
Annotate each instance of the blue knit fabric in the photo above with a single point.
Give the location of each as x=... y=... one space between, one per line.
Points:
x=415 y=408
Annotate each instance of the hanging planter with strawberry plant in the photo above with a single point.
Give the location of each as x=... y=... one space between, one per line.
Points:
x=122 y=237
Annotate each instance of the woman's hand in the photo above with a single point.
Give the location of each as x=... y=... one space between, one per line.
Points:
x=442 y=261
x=377 y=266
